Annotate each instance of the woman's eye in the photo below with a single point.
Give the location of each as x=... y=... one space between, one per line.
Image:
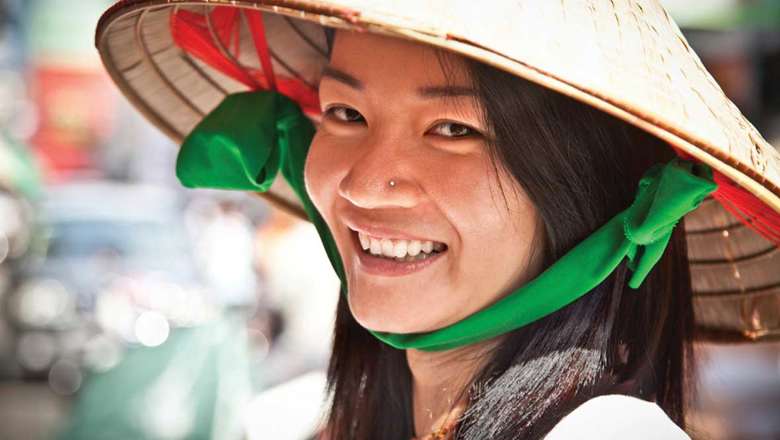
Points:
x=454 y=130
x=344 y=114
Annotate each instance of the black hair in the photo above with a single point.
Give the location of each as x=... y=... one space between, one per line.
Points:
x=580 y=167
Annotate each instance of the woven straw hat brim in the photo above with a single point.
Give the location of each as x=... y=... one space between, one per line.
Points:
x=627 y=58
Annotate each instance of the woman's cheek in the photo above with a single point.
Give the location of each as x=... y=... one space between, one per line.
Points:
x=322 y=171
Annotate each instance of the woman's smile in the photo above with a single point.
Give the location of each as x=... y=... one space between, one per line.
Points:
x=394 y=257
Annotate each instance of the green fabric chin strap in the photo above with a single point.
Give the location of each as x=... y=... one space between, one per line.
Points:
x=250 y=136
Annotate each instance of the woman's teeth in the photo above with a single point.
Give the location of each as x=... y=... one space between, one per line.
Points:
x=400 y=250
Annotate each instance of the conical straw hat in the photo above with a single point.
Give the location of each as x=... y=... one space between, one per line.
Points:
x=176 y=61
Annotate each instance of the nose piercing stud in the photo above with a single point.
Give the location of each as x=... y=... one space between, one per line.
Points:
x=392 y=183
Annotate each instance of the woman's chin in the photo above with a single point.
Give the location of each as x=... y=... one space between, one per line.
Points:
x=382 y=320
x=403 y=321
x=384 y=323
x=394 y=310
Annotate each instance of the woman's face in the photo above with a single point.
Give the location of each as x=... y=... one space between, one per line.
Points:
x=390 y=113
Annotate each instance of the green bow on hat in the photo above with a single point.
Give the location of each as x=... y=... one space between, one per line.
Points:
x=243 y=143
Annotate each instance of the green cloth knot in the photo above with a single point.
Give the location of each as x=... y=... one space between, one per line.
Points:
x=665 y=195
x=233 y=147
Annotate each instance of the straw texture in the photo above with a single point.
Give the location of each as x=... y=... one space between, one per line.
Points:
x=625 y=57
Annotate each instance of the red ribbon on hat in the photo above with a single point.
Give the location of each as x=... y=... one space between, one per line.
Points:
x=191 y=32
x=744 y=206
x=747 y=208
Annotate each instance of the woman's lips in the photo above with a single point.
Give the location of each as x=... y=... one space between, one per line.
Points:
x=386 y=266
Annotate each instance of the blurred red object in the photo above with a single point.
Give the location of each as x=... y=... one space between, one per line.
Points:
x=76 y=108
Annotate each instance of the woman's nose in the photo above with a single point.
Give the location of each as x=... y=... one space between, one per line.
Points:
x=381 y=178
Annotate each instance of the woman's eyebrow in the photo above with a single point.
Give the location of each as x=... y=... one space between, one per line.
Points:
x=446 y=91
x=342 y=77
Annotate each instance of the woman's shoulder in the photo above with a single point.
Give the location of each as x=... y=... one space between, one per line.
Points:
x=616 y=416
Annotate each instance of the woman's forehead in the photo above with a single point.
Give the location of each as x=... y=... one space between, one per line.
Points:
x=368 y=59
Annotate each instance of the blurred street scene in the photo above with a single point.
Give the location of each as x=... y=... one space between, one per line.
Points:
x=134 y=308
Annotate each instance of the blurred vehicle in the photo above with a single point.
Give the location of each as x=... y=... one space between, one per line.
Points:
x=116 y=271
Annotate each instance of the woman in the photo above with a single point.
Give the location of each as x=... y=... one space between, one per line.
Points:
x=467 y=173
x=509 y=259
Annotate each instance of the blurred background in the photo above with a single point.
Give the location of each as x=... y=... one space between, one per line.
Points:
x=133 y=308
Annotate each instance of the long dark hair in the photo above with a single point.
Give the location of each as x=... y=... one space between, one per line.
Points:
x=580 y=167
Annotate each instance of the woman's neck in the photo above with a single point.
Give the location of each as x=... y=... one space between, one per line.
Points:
x=438 y=379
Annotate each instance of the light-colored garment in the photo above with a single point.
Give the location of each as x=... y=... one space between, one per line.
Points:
x=609 y=417
x=617 y=417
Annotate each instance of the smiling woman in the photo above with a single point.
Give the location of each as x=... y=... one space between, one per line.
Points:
x=468 y=175
x=504 y=193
